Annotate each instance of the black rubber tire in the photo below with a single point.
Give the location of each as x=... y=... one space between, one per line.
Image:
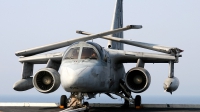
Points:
x=137 y=100
x=63 y=101
x=87 y=106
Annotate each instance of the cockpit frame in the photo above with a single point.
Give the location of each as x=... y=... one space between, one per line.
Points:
x=81 y=45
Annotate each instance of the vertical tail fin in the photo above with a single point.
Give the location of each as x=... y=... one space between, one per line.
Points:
x=117 y=22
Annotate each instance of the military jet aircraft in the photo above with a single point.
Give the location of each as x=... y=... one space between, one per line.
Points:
x=86 y=68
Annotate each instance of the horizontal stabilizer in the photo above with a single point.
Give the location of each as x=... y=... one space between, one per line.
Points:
x=54 y=46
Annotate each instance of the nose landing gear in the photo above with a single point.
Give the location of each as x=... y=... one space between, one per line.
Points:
x=137 y=102
x=63 y=101
x=74 y=103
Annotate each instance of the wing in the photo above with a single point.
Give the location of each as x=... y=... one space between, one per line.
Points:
x=49 y=47
x=42 y=58
x=120 y=56
x=155 y=47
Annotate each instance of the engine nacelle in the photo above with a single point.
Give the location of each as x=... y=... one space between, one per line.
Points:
x=137 y=79
x=46 y=80
x=171 y=84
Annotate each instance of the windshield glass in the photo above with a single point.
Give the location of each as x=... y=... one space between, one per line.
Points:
x=72 y=53
x=88 y=53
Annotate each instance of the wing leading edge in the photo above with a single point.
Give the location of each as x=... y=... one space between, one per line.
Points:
x=154 y=47
x=120 y=56
x=42 y=58
x=54 y=46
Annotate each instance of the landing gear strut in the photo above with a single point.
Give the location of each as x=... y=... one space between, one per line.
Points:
x=74 y=102
x=126 y=94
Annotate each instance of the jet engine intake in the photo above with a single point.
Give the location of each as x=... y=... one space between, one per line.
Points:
x=171 y=84
x=137 y=79
x=46 y=80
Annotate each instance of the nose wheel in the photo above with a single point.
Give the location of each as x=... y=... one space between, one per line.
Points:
x=63 y=101
x=137 y=102
x=75 y=103
x=86 y=104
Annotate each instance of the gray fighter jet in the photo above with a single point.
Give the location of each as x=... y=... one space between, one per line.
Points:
x=86 y=68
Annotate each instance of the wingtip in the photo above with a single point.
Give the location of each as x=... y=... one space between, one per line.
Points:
x=134 y=26
x=20 y=53
x=79 y=31
x=17 y=54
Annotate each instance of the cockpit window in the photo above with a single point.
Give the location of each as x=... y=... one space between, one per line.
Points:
x=72 y=53
x=88 y=53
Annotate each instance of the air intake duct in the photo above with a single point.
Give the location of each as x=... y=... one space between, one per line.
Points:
x=46 y=80
x=137 y=79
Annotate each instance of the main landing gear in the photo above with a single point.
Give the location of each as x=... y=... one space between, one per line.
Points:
x=74 y=102
x=137 y=101
x=126 y=94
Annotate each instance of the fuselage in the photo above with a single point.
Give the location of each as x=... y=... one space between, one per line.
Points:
x=87 y=67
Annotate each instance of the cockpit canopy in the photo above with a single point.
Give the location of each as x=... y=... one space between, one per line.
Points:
x=88 y=53
x=72 y=53
x=82 y=50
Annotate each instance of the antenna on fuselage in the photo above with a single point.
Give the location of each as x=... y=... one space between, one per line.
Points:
x=117 y=22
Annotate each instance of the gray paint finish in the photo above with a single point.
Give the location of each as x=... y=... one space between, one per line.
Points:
x=117 y=22
x=101 y=75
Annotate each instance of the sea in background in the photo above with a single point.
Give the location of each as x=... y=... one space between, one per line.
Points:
x=102 y=98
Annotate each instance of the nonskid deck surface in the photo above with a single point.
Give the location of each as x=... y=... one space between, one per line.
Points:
x=104 y=108
x=96 y=109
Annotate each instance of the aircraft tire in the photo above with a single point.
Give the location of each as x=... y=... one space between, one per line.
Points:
x=63 y=101
x=87 y=106
x=137 y=101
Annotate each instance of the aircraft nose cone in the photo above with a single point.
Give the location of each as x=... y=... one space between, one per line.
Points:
x=72 y=78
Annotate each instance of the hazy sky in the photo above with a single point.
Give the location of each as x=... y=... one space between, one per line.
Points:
x=30 y=23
